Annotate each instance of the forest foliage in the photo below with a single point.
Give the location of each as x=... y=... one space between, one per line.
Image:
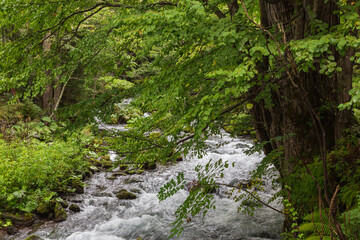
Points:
x=289 y=76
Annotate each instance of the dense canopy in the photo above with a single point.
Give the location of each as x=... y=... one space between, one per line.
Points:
x=287 y=70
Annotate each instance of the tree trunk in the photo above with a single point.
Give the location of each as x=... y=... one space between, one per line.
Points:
x=299 y=99
x=53 y=88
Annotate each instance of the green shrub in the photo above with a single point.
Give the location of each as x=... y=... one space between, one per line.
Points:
x=11 y=113
x=315 y=225
x=351 y=222
x=32 y=171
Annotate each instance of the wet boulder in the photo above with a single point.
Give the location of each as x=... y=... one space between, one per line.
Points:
x=75 y=208
x=116 y=174
x=149 y=166
x=134 y=171
x=60 y=213
x=34 y=237
x=24 y=220
x=123 y=167
x=132 y=180
x=106 y=163
x=45 y=208
x=124 y=194
x=64 y=204
x=11 y=230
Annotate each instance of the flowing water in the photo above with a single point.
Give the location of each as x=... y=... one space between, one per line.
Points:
x=104 y=217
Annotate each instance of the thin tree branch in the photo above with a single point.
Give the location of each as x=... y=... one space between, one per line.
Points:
x=252 y=195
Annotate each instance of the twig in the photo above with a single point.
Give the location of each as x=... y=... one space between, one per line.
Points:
x=252 y=195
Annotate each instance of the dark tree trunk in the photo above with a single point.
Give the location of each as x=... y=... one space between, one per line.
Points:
x=299 y=98
x=47 y=98
x=297 y=101
x=52 y=92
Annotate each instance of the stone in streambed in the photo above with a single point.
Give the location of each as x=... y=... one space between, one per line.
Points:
x=132 y=180
x=135 y=190
x=24 y=220
x=45 y=208
x=60 y=213
x=124 y=194
x=74 y=208
x=79 y=189
x=116 y=174
x=123 y=167
x=106 y=162
x=34 y=237
x=37 y=224
x=11 y=230
x=94 y=169
x=149 y=166
x=64 y=204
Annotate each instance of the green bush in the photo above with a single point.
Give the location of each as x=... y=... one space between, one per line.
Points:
x=351 y=222
x=11 y=113
x=32 y=171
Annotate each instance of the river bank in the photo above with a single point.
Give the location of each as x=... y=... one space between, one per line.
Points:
x=104 y=216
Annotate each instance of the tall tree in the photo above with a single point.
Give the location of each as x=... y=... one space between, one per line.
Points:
x=291 y=61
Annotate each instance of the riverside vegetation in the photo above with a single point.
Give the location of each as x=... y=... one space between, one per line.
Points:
x=284 y=71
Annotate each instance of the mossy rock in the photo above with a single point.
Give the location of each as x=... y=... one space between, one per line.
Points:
x=123 y=167
x=132 y=180
x=149 y=166
x=95 y=162
x=106 y=163
x=11 y=230
x=60 y=213
x=124 y=194
x=79 y=189
x=37 y=224
x=105 y=158
x=116 y=174
x=94 y=169
x=87 y=174
x=130 y=171
x=75 y=208
x=34 y=237
x=24 y=220
x=45 y=208
x=64 y=204
x=135 y=190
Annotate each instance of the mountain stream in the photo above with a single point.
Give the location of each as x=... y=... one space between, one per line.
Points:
x=104 y=217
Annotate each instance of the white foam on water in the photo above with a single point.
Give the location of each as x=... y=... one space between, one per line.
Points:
x=105 y=217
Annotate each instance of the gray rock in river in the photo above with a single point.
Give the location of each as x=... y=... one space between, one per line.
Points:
x=60 y=213
x=74 y=208
x=124 y=194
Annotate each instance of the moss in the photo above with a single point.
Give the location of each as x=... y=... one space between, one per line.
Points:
x=74 y=208
x=60 y=213
x=34 y=237
x=45 y=208
x=124 y=194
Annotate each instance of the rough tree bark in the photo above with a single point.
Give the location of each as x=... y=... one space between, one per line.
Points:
x=53 y=88
x=299 y=98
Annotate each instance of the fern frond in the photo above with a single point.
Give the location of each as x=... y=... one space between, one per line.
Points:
x=309 y=228
x=318 y=238
x=315 y=217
